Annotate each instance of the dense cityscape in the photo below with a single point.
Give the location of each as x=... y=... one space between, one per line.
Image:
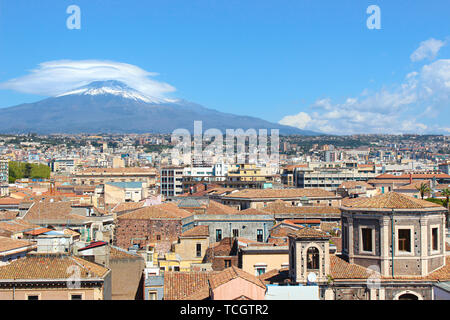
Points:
x=222 y=159
x=143 y=224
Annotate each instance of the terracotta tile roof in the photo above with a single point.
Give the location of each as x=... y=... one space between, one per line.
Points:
x=281 y=193
x=9 y=201
x=302 y=221
x=341 y=269
x=36 y=232
x=218 y=249
x=210 y=207
x=127 y=206
x=117 y=253
x=19 y=195
x=71 y=232
x=283 y=229
x=253 y=211
x=167 y=210
x=201 y=293
x=215 y=207
x=391 y=200
x=8 y=215
x=413 y=186
x=275 y=276
x=7 y=244
x=36 y=266
x=280 y=207
x=197 y=231
x=442 y=274
x=179 y=285
x=222 y=277
x=17 y=225
x=328 y=226
x=61 y=210
x=282 y=241
x=309 y=233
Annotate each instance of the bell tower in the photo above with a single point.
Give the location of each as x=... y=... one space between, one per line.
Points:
x=309 y=256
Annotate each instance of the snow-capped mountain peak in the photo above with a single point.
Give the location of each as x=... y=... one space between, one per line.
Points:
x=116 y=88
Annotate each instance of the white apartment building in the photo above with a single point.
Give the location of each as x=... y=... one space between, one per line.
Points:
x=330 y=176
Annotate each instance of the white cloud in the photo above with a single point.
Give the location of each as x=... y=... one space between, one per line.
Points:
x=404 y=108
x=56 y=77
x=299 y=120
x=427 y=49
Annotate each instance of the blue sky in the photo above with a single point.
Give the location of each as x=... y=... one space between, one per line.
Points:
x=311 y=64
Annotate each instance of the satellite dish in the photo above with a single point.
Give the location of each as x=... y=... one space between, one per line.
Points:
x=312 y=277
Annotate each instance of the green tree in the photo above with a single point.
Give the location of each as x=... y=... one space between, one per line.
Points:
x=423 y=189
x=19 y=170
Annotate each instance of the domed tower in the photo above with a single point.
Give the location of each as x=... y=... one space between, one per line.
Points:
x=398 y=234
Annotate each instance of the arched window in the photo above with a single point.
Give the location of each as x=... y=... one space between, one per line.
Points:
x=312 y=258
x=408 y=296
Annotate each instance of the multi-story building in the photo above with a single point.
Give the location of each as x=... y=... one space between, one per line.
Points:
x=224 y=221
x=249 y=174
x=4 y=178
x=63 y=165
x=172 y=181
x=330 y=176
x=95 y=176
x=445 y=167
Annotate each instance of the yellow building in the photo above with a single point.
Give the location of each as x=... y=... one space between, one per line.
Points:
x=192 y=245
x=190 y=249
x=258 y=259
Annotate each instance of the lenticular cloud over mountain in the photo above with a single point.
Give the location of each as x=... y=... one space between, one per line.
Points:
x=54 y=78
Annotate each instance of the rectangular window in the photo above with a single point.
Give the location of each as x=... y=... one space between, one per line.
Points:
x=152 y=295
x=260 y=271
x=235 y=233
x=199 y=250
x=404 y=240
x=227 y=263
x=76 y=297
x=259 y=235
x=33 y=297
x=367 y=239
x=176 y=268
x=218 y=235
x=435 y=238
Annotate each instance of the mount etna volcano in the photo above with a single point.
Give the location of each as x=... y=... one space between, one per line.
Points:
x=113 y=107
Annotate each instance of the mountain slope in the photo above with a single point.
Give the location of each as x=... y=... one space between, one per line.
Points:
x=113 y=107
